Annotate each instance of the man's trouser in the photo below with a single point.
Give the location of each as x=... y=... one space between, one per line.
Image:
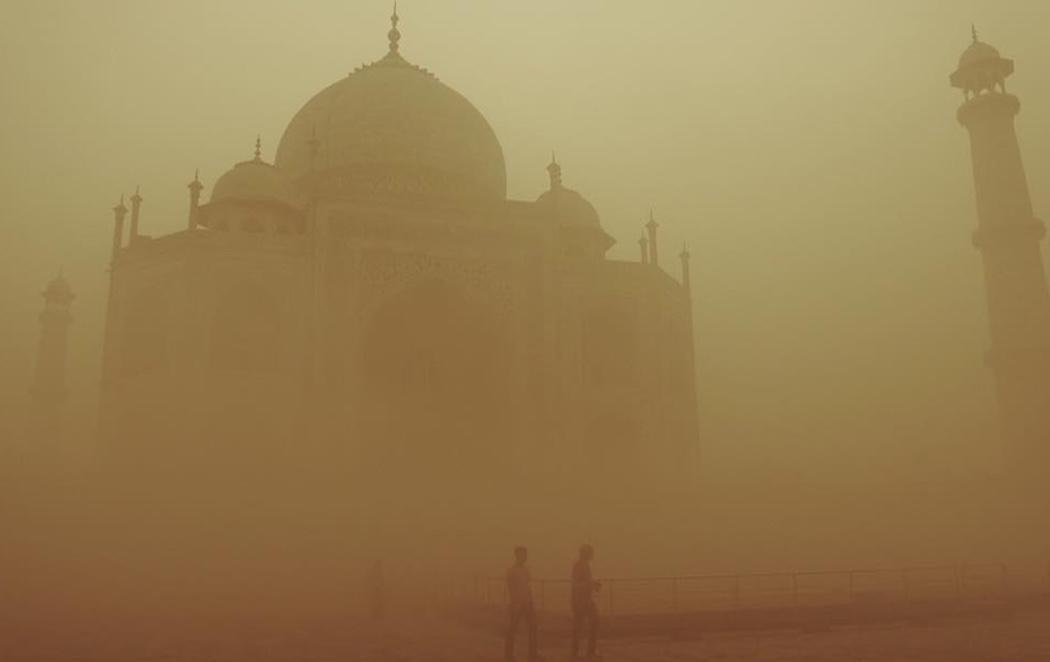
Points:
x=585 y=614
x=518 y=612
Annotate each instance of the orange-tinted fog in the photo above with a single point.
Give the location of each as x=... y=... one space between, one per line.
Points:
x=807 y=153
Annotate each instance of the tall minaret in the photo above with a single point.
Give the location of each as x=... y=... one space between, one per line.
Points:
x=49 y=383
x=1008 y=236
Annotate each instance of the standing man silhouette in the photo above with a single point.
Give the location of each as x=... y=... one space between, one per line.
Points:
x=584 y=608
x=519 y=590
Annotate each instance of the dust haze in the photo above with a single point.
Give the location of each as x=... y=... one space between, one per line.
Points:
x=737 y=324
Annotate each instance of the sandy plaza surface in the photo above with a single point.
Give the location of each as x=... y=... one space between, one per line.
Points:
x=1016 y=638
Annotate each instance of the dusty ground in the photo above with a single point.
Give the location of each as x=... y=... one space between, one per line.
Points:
x=1019 y=638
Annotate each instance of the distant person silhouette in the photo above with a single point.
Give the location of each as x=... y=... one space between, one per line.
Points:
x=519 y=590
x=584 y=608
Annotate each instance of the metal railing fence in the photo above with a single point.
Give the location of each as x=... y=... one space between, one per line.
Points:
x=697 y=593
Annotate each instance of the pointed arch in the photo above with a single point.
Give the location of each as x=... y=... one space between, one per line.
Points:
x=433 y=362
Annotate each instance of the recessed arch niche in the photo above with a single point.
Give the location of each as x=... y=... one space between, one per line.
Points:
x=433 y=370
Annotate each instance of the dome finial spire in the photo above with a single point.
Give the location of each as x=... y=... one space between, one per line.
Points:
x=394 y=35
x=554 y=170
x=258 y=148
x=973 y=31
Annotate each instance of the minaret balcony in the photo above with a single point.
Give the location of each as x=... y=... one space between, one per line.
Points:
x=987 y=106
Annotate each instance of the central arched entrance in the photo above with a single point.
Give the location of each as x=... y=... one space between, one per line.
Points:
x=435 y=386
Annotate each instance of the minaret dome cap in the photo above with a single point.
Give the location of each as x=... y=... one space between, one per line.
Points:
x=977 y=53
x=58 y=290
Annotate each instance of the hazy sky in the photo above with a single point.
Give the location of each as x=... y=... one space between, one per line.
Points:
x=807 y=151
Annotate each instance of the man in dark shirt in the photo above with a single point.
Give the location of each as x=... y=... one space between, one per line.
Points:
x=519 y=590
x=584 y=608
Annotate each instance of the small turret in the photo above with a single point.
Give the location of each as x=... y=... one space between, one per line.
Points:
x=685 y=256
x=136 y=207
x=195 y=188
x=981 y=69
x=49 y=380
x=650 y=228
x=119 y=213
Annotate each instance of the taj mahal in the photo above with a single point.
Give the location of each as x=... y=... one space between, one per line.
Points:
x=372 y=308
x=357 y=350
x=371 y=311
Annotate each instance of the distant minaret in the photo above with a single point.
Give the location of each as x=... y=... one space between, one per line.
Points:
x=49 y=383
x=1008 y=236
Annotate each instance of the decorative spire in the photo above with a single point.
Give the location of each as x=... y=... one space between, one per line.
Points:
x=394 y=35
x=973 y=31
x=195 y=188
x=120 y=210
x=136 y=206
x=554 y=170
x=258 y=148
x=650 y=227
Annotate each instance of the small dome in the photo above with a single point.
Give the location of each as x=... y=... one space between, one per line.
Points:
x=976 y=53
x=58 y=290
x=255 y=181
x=570 y=208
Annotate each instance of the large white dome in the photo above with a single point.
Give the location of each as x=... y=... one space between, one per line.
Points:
x=393 y=128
